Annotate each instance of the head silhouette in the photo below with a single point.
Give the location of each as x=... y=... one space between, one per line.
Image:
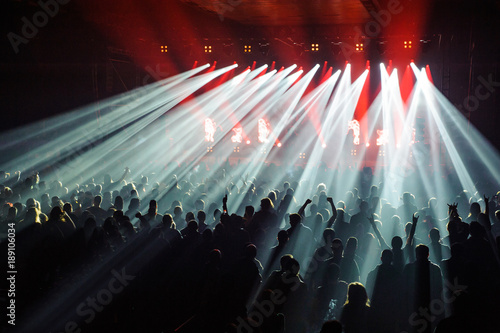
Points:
x=356 y=295
x=422 y=252
x=387 y=257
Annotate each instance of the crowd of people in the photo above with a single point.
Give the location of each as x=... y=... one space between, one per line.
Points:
x=213 y=255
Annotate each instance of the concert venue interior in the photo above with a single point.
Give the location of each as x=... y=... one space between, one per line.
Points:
x=130 y=111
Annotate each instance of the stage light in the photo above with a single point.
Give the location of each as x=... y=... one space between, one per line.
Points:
x=302 y=155
x=164 y=48
x=247 y=49
x=368 y=144
x=336 y=48
x=299 y=49
x=354 y=152
x=323 y=145
x=248 y=142
x=264 y=48
x=236 y=149
x=314 y=47
x=359 y=47
x=208 y=48
x=210 y=149
x=228 y=48
x=382 y=47
x=407 y=44
x=425 y=45
x=279 y=145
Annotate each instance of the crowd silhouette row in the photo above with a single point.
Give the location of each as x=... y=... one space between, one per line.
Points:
x=214 y=255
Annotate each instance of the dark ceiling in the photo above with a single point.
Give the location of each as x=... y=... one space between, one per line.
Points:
x=289 y=12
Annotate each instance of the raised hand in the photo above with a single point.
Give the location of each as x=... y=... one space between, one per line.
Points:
x=415 y=218
x=486 y=200
x=308 y=201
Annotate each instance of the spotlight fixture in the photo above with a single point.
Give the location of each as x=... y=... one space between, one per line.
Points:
x=264 y=48
x=279 y=145
x=425 y=45
x=163 y=49
x=360 y=47
x=336 y=48
x=299 y=49
x=382 y=47
x=208 y=48
x=228 y=48
x=407 y=44
x=210 y=149
x=236 y=149
x=302 y=155
x=314 y=47
x=247 y=49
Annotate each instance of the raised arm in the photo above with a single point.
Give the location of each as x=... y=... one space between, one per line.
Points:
x=303 y=208
x=122 y=178
x=381 y=240
x=452 y=211
x=334 y=213
x=224 y=205
x=409 y=241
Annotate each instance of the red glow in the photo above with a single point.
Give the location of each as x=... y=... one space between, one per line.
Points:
x=323 y=71
x=326 y=75
x=406 y=84
x=428 y=72
x=195 y=64
x=389 y=68
x=253 y=65
x=272 y=65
